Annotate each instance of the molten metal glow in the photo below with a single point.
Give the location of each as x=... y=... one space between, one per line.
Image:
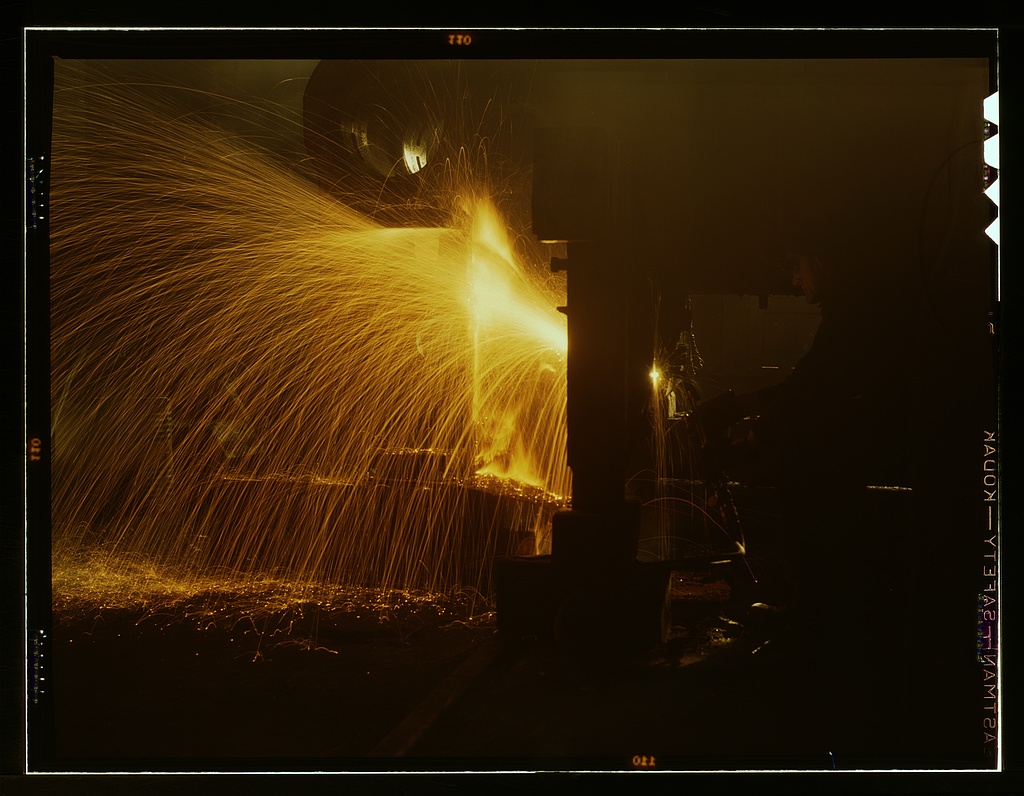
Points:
x=249 y=377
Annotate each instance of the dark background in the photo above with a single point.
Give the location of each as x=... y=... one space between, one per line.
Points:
x=747 y=44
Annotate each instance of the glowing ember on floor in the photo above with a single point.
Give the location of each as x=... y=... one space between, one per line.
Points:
x=251 y=377
x=259 y=613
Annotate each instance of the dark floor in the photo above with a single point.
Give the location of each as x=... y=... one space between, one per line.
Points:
x=437 y=688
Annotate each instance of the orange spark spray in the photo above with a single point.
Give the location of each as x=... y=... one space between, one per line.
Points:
x=250 y=377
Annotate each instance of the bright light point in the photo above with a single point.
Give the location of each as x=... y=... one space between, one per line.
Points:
x=655 y=376
x=415 y=157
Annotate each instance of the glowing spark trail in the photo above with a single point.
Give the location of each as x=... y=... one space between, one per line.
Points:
x=250 y=377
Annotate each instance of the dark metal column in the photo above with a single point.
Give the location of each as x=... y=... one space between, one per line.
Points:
x=592 y=586
x=597 y=538
x=575 y=199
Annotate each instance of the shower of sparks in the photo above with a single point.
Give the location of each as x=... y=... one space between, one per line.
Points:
x=250 y=377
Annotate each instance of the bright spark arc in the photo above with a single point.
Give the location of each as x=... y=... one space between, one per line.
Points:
x=505 y=298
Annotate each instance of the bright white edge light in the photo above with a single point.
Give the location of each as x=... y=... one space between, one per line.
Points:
x=990 y=106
